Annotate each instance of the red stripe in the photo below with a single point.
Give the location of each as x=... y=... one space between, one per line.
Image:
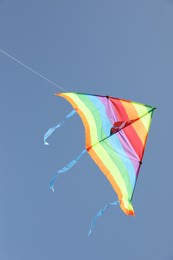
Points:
x=129 y=131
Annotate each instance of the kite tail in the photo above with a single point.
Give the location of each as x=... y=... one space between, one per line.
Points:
x=51 y=130
x=100 y=213
x=65 y=169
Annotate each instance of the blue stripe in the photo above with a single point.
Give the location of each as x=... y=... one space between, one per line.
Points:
x=115 y=143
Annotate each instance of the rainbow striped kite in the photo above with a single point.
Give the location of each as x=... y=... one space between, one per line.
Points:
x=116 y=132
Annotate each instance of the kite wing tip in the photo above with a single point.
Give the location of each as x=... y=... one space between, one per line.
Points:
x=131 y=213
x=127 y=207
x=58 y=94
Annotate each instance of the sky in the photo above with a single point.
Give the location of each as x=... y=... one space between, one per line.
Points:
x=117 y=48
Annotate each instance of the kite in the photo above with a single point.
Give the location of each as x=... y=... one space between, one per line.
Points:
x=116 y=132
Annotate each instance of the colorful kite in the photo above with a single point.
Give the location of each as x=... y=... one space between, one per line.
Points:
x=116 y=132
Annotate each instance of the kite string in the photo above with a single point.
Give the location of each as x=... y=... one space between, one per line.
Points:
x=34 y=71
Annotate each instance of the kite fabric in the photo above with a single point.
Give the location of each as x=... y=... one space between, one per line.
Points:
x=116 y=132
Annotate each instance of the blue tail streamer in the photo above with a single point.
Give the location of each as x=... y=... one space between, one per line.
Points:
x=100 y=213
x=65 y=169
x=52 y=129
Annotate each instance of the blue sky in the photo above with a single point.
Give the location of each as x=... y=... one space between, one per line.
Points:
x=118 y=48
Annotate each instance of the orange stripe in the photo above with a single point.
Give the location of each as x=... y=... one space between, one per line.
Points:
x=95 y=157
x=131 y=112
x=85 y=122
x=126 y=211
x=103 y=168
x=106 y=172
x=131 y=134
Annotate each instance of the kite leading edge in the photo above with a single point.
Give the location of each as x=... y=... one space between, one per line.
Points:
x=116 y=132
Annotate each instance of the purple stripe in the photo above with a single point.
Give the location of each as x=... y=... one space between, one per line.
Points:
x=128 y=149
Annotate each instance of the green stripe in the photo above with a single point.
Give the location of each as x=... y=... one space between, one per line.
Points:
x=101 y=135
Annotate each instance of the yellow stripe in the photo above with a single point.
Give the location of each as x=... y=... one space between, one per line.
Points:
x=88 y=115
x=146 y=120
x=110 y=165
x=112 y=168
x=138 y=126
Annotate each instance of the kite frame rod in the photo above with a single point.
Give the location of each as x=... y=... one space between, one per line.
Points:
x=134 y=120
